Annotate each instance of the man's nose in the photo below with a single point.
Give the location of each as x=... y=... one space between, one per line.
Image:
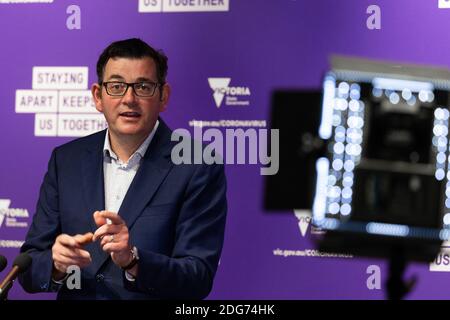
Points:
x=129 y=97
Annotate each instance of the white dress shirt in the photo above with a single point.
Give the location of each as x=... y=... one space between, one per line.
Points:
x=117 y=174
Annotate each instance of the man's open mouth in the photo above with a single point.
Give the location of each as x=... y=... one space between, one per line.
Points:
x=130 y=114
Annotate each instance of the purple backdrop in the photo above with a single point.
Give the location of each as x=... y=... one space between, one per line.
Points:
x=262 y=45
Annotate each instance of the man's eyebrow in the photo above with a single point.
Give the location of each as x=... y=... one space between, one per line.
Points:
x=116 y=76
x=140 y=79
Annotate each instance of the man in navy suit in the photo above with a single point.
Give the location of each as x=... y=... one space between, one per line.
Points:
x=157 y=228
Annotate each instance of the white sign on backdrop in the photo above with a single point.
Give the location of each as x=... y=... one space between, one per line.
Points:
x=61 y=101
x=149 y=6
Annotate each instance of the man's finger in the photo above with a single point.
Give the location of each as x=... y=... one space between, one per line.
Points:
x=114 y=217
x=73 y=253
x=107 y=239
x=106 y=229
x=84 y=239
x=67 y=241
x=99 y=220
x=83 y=254
x=62 y=260
x=113 y=247
x=100 y=232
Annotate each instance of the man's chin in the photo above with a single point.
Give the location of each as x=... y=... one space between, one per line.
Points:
x=130 y=131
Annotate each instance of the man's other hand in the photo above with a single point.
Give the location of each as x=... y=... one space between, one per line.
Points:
x=68 y=251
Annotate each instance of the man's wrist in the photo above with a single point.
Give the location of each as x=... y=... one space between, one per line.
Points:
x=131 y=274
x=58 y=275
x=134 y=257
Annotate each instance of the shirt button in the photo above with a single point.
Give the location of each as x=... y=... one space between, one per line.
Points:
x=100 y=277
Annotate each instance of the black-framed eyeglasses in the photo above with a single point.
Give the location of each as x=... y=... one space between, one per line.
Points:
x=141 y=89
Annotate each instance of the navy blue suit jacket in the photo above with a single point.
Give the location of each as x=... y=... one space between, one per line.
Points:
x=175 y=215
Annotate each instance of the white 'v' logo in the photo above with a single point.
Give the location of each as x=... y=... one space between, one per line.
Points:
x=219 y=85
x=4 y=204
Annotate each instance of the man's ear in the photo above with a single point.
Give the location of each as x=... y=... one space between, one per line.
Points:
x=165 y=95
x=97 y=96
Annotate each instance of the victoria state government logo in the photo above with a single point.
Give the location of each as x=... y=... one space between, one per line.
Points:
x=9 y=217
x=234 y=96
x=304 y=222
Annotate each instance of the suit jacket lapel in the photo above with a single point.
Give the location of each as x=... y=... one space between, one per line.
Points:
x=154 y=168
x=94 y=194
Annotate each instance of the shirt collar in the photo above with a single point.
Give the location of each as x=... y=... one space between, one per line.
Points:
x=107 y=150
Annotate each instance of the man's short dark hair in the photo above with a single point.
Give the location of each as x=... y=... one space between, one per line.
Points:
x=135 y=49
